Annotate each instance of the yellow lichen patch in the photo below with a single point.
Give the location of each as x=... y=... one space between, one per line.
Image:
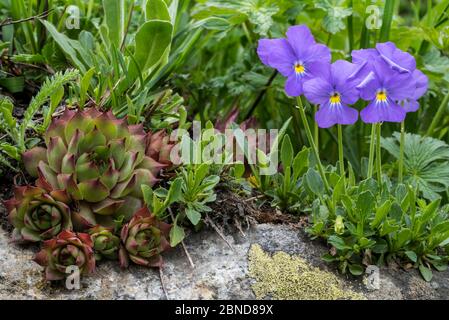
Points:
x=282 y=276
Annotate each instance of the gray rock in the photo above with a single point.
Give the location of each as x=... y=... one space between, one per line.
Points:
x=220 y=272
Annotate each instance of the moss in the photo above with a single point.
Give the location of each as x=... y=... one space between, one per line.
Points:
x=282 y=276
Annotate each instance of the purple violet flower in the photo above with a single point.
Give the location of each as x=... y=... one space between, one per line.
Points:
x=396 y=59
x=411 y=104
x=384 y=87
x=333 y=90
x=294 y=57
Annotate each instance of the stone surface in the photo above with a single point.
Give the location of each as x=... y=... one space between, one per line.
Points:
x=220 y=272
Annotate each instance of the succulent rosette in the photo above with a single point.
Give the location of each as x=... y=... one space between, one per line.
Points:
x=68 y=249
x=159 y=147
x=105 y=243
x=37 y=215
x=144 y=238
x=99 y=160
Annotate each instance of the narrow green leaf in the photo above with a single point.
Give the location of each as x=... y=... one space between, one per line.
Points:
x=381 y=213
x=84 y=86
x=65 y=44
x=286 y=152
x=114 y=18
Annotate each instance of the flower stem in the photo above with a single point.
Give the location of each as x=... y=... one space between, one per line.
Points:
x=350 y=28
x=401 y=153
x=386 y=20
x=312 y=144
x=316 y=130
x=340 y=153
x=371 y=152
x=378 y=157
x=438 y=115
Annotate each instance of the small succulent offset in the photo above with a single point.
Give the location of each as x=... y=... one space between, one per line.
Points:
x=159 y=147
x=105 y=243
x=100 y=161
x=37 y=215
x=66 y=250
x=144 y=238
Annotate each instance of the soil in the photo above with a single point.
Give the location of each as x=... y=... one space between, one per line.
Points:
x=6 y=192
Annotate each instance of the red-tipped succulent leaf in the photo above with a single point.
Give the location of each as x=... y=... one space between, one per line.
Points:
x=66 y=251
x=100 y=161
x=37 y=214
x=144 y=238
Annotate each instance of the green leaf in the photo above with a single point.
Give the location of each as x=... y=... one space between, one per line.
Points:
x=263 y=161
x=430 y=211
x=200 y=173
x=425 y=272
x=365 y=203
x=337 y=242
x=301 y=163
x=175 y=191
x=6 y=108
x=152 y=39
x=411 y=255
x=11 y=151
x=334 y=21
x=402 y=238
x=440 y=266
x=380 y=247
x=13 y=84
x=286 y=152
x=214 y=23
x=274 y=147
x=388 y=227
x=66 y=44
x=193 y=215
x=147 y=195
x=328 y=258
x=381 y=213
x=356 y=269
x=209 y=183
x=338 y=191
x=425 y=162
x=84 y=86
x=239 y=170
x=314 y=182
x=177 y=234
x=114 y=18
x=156 y=10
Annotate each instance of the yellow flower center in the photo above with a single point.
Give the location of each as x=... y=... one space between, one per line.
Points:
x=381 y=96
x=335 y=98
x=299 y=68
